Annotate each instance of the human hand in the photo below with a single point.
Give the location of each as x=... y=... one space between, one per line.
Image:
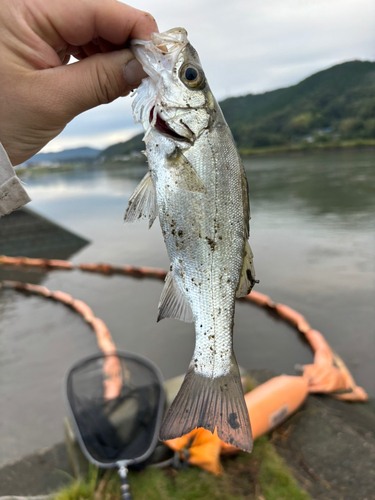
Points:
x=40 y=94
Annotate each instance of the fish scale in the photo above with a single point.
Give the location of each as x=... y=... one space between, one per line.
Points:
x=197 y=187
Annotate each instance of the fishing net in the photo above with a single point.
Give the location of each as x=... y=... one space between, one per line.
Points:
x=115 y=402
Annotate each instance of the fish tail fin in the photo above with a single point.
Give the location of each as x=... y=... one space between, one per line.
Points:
x=209 y=403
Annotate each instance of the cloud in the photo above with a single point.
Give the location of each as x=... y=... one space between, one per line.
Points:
x=247 y=46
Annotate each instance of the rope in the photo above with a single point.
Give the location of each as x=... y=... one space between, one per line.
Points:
x=327 y=365
x=286 y=313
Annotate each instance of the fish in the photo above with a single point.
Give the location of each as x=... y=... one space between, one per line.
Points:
x=197 y=186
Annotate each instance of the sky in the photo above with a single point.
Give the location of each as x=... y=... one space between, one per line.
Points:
x=245 y=46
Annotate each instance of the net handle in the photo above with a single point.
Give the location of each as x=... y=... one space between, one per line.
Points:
x=125 y=491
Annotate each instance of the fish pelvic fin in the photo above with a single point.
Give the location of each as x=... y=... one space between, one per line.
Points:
x=172 y=302
x=247 y=279
x=142 y=203
x=210 y=403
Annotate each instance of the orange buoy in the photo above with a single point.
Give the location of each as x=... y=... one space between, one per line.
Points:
x=271 y=403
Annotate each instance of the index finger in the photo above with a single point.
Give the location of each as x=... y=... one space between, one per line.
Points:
x=78 y=22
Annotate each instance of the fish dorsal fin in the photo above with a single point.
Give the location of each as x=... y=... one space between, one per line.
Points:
x=142 y=203
x=172 y=303
x=247 y=280
x=183 y=173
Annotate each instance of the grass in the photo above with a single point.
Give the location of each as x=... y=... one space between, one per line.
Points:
x=263 y=475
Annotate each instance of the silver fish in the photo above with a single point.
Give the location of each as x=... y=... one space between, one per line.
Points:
x=197 y=186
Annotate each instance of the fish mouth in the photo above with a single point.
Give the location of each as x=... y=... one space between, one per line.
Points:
x=163 y=127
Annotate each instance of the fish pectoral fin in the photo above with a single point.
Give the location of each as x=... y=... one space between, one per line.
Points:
x=184 y=175
x=210 y=403
x=247 y=279
x=172 y=302
x=142 y=203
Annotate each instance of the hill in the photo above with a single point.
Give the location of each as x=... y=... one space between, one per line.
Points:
x=76 y=154
x=123 y=148
x=339 y=101
x=333 y=105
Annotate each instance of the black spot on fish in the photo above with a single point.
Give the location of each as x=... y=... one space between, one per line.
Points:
x=232 y=421
x=248 y=274
x=211 y=242
x=180 y=233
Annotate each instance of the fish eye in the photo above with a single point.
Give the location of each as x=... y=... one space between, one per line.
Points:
x=192 y=76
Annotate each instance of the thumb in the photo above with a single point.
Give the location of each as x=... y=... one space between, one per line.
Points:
x=95 y=80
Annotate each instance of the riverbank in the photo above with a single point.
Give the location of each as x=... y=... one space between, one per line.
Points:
x=361 y=145
x=325 y=451
x=245 y=477
x=310 y=148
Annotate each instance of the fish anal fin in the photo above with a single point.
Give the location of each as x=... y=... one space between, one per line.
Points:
x=183 y=174
x=210 y=403
x=142 y=203
x=172 y=302
x=247 y=279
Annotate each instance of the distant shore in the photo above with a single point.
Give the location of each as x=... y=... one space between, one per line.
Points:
x=286 y=150
x=310 y=148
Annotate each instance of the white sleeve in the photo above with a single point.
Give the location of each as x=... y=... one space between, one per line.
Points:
x=12 y=193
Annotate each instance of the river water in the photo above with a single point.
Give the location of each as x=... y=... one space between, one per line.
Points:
x=312 y=234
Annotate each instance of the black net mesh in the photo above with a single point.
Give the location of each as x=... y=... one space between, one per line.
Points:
x=115 y=402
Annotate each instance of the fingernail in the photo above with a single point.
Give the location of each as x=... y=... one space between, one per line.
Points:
x=134 y=73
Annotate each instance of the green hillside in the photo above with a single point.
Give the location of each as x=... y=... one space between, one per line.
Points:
x=337 y=102
x=331 y=106
x=123 y=148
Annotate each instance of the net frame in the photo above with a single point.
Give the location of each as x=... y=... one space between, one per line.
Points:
x=123 y=355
